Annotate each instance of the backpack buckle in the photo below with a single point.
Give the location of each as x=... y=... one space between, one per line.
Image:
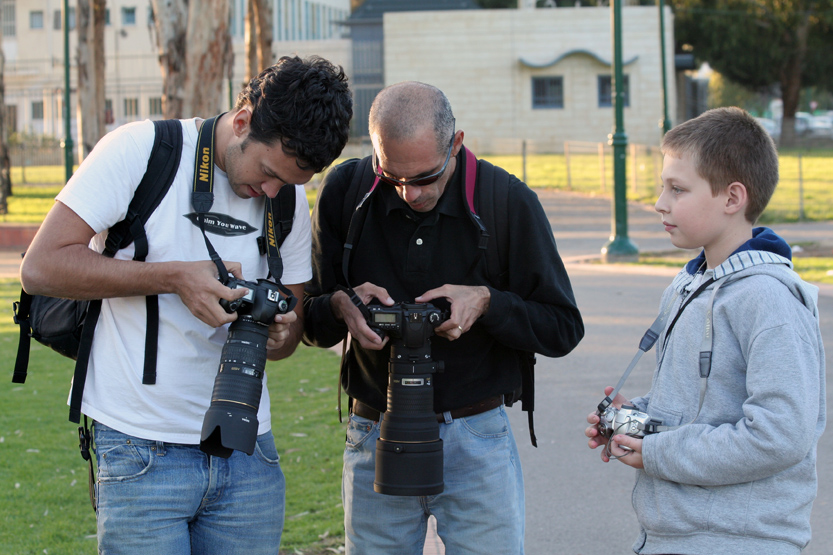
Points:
x=84 y=442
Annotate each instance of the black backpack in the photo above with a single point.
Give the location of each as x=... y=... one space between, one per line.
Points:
x=67 y=326
x=61 y=324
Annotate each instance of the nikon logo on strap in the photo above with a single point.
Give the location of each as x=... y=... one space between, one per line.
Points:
x=270 y=229
x=205 y=165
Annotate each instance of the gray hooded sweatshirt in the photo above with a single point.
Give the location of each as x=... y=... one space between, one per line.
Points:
x=740 y=478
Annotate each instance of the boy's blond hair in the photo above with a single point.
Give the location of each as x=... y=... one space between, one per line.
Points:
x=727 y=145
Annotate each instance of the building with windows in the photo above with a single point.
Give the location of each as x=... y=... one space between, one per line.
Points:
x=367 y=38
x=33 y=40
x=540 y=75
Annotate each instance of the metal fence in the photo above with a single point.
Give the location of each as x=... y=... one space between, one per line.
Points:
x=34 y=158
x=805 y=190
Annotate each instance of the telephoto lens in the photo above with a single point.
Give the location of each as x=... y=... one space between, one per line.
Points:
x=231 y=420
x=409 y=451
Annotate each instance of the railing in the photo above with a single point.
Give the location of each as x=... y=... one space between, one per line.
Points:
x=805 y=190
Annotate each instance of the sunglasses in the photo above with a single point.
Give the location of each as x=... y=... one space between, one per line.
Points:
x=419 y=181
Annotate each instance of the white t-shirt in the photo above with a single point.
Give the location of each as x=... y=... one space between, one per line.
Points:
x=172 y=410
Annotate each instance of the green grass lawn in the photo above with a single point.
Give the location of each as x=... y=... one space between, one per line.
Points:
x=810 y=196
x=44 y=504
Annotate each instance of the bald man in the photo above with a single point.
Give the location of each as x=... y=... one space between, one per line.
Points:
x=415 y=240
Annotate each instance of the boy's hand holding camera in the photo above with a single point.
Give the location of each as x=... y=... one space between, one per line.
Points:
x=632 y=456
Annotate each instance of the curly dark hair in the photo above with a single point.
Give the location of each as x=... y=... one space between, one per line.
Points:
x=305 y=104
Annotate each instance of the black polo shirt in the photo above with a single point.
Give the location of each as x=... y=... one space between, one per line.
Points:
x=409 y=253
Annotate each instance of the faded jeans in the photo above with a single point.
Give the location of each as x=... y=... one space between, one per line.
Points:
x=156 y=497
x=481 y=509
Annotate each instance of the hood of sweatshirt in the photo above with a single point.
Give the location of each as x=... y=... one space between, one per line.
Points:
x=765 y=253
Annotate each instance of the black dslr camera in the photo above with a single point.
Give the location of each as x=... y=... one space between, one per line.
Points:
x=409 y=455
x=231 y=420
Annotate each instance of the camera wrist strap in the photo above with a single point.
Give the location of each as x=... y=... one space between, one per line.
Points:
x=649 y=339
x=645 y=344
x=652 y=334
x=202 y=198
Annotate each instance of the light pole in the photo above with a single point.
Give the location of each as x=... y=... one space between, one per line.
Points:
x=68 y=145
x=619 y=247
x=666 y=121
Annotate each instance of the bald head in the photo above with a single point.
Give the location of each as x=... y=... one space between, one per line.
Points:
x=402 y=111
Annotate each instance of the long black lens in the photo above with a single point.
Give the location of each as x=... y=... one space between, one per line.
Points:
x=231 y=420
x=409 y=456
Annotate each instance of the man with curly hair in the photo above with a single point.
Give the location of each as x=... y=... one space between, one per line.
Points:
x=157 y=491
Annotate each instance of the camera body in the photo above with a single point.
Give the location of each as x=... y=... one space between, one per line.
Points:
x=262 y=303
x=627 y=420
x=409 y=456
x=231 y=420
x=412 y=323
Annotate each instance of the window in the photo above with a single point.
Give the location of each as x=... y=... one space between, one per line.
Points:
x=606 y=91
x=155 y=106
x=58 y=19
x=106 y=16
x=11 y=117
x=8 y=17
x=36 y=19
x=128 y=16
x=131 y=107
x=547 y=92
x=37 y=109
x=108 y=111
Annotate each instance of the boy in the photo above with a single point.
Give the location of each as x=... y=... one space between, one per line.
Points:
x=736 y=471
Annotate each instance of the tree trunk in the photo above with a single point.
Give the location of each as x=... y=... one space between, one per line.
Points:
x=251 y=42
x=791 y=82
x=171 y=20
x=258 y=37
x=90 y=73
x=205 y=56
x=5 y=163
x=263 y=17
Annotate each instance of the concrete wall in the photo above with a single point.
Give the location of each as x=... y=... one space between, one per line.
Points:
x=475 y=57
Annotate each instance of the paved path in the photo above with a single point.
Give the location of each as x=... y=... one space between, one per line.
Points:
x=577 y=505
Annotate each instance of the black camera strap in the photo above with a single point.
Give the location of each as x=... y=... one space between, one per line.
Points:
x=202 y=195
x=202 y=198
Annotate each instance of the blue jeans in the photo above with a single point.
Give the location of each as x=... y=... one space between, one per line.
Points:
x=481 y=509
x=156 y=497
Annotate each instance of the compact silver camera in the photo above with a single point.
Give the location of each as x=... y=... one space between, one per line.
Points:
x=627 y=420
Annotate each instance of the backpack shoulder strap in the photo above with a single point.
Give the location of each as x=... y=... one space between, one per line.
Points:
x=360 y=185
x=286 y=212
x=163 y=164
x=354 y=211
x=161 y=169
x=22 y=315
x=493 y=186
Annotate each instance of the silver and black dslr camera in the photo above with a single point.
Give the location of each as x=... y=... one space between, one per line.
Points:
x=627 y=420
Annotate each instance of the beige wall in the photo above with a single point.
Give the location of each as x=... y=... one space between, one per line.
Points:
x=475 y=58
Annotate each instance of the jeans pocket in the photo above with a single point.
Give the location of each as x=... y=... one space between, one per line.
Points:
x=266 y=451
x=491 y=424
x=124 y=462
x=358 y=430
